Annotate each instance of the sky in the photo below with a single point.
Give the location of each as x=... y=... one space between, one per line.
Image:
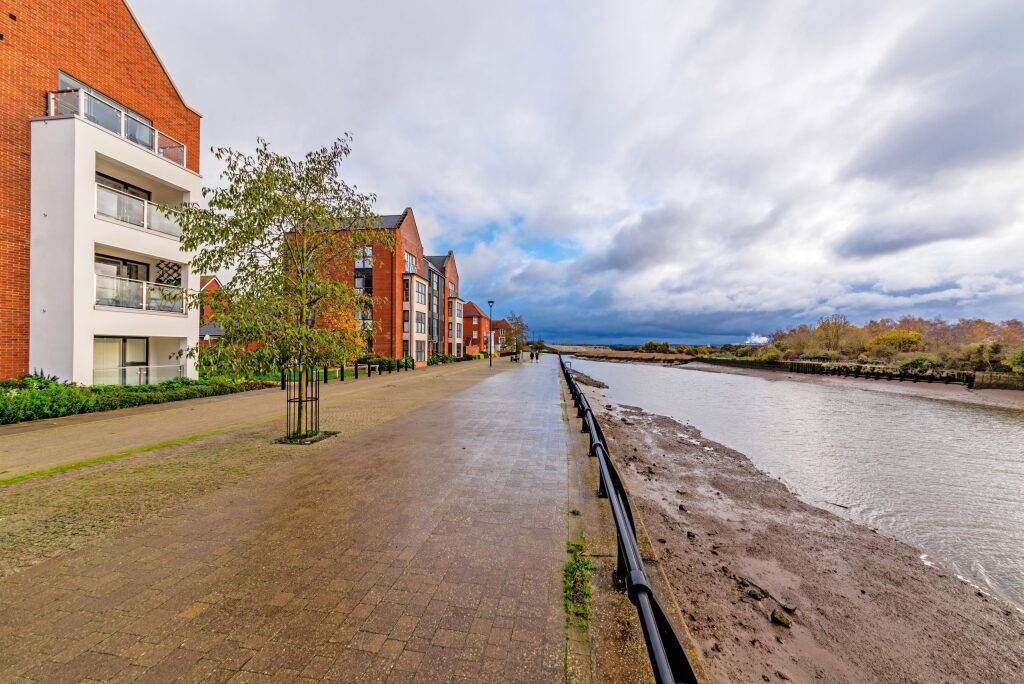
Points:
x=624 y=171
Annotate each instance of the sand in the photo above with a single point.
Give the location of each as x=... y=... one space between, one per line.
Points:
x=737 y=545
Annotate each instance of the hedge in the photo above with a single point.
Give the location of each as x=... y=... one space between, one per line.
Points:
x=35 y=398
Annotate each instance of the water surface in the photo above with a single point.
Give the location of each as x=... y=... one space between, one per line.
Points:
x=945 y=476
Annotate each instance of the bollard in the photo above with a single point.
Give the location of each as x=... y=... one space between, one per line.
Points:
x=325 y=375
x=356 y=366
x=282 y=381
x=341 y=372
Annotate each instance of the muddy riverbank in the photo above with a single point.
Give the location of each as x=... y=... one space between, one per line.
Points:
x=738 y=546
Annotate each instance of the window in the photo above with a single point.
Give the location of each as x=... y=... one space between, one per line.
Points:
x=421 y=293
x=410 y=263
x=366 y=320
x=475 y=334
x=405 y=347
x=405 y=321
x=433 y=303
x=451 y=289
x=421 y=350
x=421 y=322
x=476 y=320
x=458 y=329
x=449 y=328
x=458 y=309
x=365 y=258
x=361 y=284
x=405 y=290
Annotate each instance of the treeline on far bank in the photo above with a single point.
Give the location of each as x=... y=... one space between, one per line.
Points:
x=910 y=343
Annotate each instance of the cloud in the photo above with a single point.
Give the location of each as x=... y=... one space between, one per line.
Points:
x=687 y=171
x=754 y=338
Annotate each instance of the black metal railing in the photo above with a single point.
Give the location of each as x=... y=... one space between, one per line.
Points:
x=668 y=658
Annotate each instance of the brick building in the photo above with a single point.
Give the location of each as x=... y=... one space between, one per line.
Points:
x=476 y=327
x=417 y=295
x=94 y=135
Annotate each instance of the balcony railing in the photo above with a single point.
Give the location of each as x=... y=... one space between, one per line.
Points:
x=135 y=210
x=139 y=294
x=136 y=375
x=82 y=103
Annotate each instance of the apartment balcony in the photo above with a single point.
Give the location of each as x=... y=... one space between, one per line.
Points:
x=136 y=375
x=79 y=102
x=139 y=295
x=135 y=211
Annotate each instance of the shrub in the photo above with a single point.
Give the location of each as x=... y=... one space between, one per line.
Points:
x=770 y=354
x=29 y=399
x=897 y=340
x=922 y=362
x=653 y=347
x=1014 y=359
x=436 y=359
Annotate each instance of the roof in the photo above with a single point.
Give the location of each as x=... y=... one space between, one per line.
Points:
x=211 y=329
x=437 y=262
x=205 y=280
x=471 y=309
x=163 y=66
x=391 y=221
x=500 y=324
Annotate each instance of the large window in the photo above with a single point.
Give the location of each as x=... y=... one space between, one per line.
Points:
x=421 y=293
x=405 y=321
x=451 y=289
x=410 y=263
x=458 y=309
x=458 y=328
x=405 y=347
x=421 y=322
x=421 y=350
x=365 y=258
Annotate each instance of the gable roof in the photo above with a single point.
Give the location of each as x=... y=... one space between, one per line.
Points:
x=437 y=262
x=391 y=221
x=471 y=309
x=160 y=61
x=205 y=280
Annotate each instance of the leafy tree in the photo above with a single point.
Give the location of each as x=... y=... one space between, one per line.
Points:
x=282 y=226
x=516 y=339
x=830 y=331
x=896 y=340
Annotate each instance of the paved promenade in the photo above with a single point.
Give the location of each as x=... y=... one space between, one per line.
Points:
x=423 y=547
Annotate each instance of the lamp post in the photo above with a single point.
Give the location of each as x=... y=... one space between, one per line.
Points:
x=490 y=334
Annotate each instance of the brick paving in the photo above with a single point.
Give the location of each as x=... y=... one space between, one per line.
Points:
x=428 y=548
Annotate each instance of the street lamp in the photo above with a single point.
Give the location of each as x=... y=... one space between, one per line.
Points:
x=490 y=334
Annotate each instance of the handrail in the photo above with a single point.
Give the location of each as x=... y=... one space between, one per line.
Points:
x=668 y=658
x=149 y=215
x=139 y=294
x=79 y=102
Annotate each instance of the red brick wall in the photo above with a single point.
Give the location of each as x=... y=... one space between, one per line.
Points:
x=98 y=42
x=479 y=345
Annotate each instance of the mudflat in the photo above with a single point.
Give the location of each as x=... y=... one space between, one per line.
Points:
x=849 y=604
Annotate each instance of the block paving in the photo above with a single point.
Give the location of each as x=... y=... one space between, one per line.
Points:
x=428 y=548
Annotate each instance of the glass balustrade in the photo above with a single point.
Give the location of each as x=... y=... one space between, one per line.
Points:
x=136 y=375
x=126 y=293
x=135 y=210
x=77 y=102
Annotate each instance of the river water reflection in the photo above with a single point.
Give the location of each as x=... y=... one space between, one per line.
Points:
x=944 y=476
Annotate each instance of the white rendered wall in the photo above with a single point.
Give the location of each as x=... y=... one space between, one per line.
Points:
x=66 y=235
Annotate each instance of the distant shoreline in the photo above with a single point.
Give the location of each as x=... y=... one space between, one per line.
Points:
x=997 y=398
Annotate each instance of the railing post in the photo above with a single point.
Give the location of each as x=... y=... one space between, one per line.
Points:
x=121 y=118
x=145 y=299
x=81 y=103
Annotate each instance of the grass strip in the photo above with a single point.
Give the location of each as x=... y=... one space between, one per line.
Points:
x=74 y=465
x=577 y=584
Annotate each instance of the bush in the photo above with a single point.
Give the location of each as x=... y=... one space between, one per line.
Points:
x=769 y=354
x=436 y=359
x=922 y=362
x=1014 y=360
x=653 y=347
x=896 y=340
x=30 y=398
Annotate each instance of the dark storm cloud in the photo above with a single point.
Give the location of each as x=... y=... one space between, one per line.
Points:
x=883 y=239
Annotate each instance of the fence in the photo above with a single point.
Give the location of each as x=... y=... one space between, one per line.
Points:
x=667 y=656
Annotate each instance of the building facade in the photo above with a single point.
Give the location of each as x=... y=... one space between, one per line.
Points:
x=94 y=139
x=476 y=327
x=414 y=293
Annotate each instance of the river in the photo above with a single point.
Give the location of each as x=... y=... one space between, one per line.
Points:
x=944 y=476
